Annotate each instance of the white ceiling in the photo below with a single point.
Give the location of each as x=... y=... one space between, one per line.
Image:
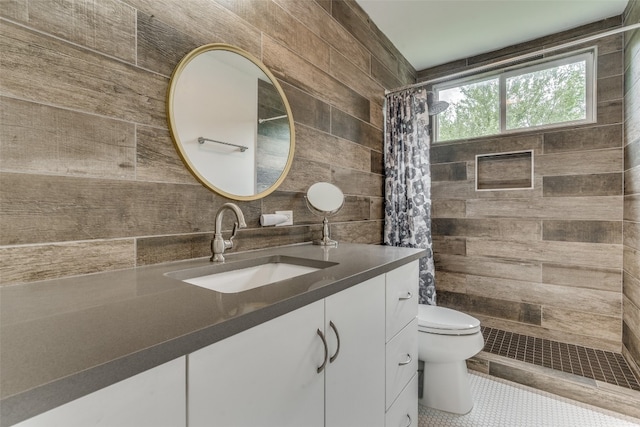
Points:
x=434 y=32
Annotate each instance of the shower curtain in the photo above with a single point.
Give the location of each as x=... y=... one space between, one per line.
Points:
x=407 y=204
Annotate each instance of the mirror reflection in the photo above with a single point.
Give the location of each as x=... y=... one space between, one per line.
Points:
x=230 y=122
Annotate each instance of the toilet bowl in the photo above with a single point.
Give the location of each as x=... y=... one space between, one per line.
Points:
x=446 y=338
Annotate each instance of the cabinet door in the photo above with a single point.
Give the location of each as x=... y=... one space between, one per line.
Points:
x=355 y=380
x=265 y=376
x=153 y=398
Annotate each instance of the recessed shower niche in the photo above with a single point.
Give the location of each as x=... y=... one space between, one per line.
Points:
x=504 y=171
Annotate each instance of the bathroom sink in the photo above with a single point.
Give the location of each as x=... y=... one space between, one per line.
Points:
x=238 y=276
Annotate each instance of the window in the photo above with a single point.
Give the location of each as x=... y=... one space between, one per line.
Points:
x=548 y=93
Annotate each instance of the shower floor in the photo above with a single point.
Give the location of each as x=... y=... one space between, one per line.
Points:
x=587 y=362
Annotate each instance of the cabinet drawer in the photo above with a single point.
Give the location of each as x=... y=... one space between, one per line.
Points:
x=401 y=297
x=401 y=361
x=404 y=412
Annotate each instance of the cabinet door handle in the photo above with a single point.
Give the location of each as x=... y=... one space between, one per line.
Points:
x=406 y=362
x=326 y=351
x=409 y=295
x=410 y=420
x=335 y=330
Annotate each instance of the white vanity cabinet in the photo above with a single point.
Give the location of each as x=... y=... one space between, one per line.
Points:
x=402 y=346
x=268 y=375
x=153 y=398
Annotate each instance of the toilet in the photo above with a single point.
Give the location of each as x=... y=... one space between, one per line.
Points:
x=446 y=338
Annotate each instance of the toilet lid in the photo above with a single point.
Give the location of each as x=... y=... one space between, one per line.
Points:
x=445 y=321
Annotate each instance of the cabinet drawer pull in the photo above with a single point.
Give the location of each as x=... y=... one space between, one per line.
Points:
x=410 y=420
x=409 y=359
x=409 y=295
x=335 y=330
x=326 y=351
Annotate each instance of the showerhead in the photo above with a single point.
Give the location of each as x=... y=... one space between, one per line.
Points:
x=437 y=107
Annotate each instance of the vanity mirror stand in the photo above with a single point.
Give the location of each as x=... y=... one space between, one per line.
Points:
x=325 y=199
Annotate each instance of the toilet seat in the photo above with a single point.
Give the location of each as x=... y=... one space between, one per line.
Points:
x=445 y=321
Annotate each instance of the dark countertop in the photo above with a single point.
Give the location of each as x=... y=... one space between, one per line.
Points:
x=62 y=339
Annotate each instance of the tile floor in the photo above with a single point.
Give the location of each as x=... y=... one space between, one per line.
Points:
x=584 y=361
x=501 y=403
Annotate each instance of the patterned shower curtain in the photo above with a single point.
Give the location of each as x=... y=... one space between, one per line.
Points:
x=407 y=204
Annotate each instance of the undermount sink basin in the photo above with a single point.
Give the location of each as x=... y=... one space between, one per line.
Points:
x=233 y=277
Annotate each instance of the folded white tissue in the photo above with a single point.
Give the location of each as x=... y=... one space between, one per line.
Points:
x=272 y=219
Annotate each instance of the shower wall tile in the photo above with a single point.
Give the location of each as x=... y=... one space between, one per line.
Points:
x=449 y=172
x=573 y=208
x=480 y=266
x=507 y=229
x=583 y=231
x=606 y=279
x=580 y=163
x=557 y=247
x=610 y=88
x=449 y=245
x=482 y=305
x=582 y=323
x=609 y=184
x=592 y=138
x=448 y=208
x=608 y=256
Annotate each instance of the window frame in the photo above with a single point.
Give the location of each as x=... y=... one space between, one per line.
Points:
x=588 y=54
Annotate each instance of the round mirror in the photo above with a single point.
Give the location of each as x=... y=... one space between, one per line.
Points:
x=230 y=122
x=326 y=200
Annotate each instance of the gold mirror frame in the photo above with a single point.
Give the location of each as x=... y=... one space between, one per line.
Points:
x=184 y=62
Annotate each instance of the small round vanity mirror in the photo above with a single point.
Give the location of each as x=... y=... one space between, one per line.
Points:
x=230 y=122
x=325 y=199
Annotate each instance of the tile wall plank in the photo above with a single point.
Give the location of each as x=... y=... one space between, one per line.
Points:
x=157 y=159
x=590 y=138
x=569 y=208
x=507 y=229
x=298 y=72
x=23 y=264
x=78 y=79
x=203 y=21
x=328 y=30
x=108 y=26
x=591 y=300
x=491 y=267
x=608 y=256
x=592 y=277
x=577 y=163
x=582 y=323
x=322 y=147
x=267 y=16
x=349 y=127
x=583 y=231
x=38 y=208
x=36 y=138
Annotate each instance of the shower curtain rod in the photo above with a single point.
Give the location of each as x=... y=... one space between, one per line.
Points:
x=516 y=58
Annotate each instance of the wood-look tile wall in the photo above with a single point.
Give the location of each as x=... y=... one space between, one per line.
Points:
x=89 y=178
x=545 y=261
x=631 y=223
